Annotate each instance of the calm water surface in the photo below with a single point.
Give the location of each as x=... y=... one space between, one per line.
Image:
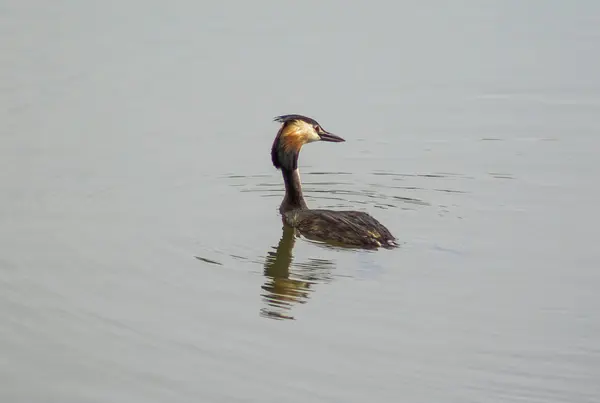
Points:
x=142 y=256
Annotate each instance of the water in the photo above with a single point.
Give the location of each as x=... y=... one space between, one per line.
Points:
x=142 y=256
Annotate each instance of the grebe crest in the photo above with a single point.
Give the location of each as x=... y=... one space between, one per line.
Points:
x=343 y=228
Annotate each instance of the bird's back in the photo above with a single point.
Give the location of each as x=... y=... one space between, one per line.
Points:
x=346 y=228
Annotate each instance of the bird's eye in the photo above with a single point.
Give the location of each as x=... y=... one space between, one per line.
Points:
x=317 y=129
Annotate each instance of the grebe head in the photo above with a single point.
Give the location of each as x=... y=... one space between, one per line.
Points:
x=296 y=131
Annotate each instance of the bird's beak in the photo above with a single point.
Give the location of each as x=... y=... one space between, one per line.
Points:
x=326 y=136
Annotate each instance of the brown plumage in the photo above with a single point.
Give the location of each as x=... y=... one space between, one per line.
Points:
x=342 y=228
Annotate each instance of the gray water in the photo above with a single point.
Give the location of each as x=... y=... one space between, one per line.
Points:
x=142 y=256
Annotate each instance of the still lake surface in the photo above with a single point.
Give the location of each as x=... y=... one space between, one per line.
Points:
x=142 y=257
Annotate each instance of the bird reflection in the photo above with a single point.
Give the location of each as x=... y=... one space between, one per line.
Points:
x=288 y=283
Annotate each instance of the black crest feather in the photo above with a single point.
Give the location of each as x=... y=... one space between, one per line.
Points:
x=290 y=118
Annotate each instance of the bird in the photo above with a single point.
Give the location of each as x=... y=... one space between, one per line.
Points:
x=354 y=229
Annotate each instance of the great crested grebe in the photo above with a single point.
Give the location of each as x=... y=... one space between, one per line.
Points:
x=345 y=228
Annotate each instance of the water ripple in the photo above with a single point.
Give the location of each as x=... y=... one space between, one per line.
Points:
x=378 y=189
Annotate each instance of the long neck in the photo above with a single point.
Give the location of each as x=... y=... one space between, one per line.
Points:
x=293 y=191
